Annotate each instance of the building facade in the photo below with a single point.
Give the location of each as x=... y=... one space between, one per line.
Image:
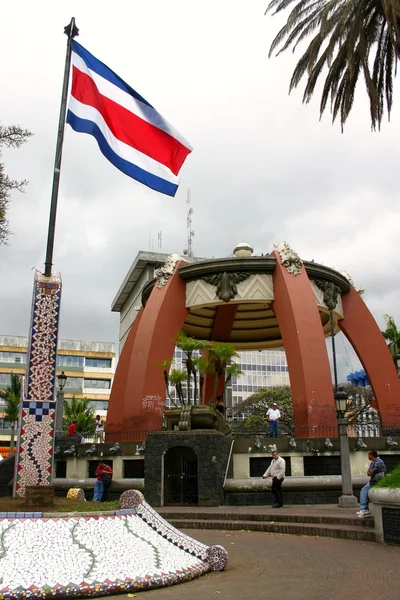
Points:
x=88 y=366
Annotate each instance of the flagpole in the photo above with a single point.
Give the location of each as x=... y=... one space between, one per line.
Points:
x=71 y=31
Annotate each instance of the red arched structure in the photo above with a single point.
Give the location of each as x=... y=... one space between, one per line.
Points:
x=363 y=333
x=304 y=343
x=284 y=306
x=137 y=398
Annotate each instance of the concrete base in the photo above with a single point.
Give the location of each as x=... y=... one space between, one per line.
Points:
x=347 y=500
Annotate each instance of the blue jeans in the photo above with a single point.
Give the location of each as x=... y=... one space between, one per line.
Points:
x=274 y=429
x=98 y=491
x=364 y=503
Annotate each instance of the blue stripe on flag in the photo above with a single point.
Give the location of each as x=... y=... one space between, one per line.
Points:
x=101 y=69
x=152 y=181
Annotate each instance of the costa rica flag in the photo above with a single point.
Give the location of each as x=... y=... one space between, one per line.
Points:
x=130 y=133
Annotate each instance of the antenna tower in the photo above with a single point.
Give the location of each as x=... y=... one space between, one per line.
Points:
x=190 y=232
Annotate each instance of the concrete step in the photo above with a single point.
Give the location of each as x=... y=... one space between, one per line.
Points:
x=349 y=532
x=277 y=516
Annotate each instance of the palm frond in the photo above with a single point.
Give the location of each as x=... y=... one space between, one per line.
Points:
x=349 y=37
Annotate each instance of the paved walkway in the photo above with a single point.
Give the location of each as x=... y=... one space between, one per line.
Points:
x=270 y=566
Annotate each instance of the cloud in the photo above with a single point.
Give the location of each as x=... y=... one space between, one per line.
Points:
x=264 y=167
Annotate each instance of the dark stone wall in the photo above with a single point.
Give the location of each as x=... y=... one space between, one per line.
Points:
x=298 y=497
x=212 y=450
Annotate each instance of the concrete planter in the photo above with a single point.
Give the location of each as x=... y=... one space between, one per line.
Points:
x=380 y=498
x=191 y=417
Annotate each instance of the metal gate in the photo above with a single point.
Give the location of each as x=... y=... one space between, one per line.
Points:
x=180 y=476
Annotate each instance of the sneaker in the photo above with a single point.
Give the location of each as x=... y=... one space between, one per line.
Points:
x=363 y=514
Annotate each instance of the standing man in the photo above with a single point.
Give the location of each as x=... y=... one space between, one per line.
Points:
x=276 y=470
x=273 y=416
x=99 y=433
x=102 y=469
x=376 y=470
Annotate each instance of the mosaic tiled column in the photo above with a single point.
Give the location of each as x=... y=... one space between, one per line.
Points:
x=34 y=458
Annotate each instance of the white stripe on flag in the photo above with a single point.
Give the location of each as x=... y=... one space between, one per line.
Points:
x=83 y=111
x=114 y=93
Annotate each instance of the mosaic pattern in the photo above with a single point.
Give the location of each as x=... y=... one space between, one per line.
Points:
x=36 y=432
x=98 y=555
x=76 y=494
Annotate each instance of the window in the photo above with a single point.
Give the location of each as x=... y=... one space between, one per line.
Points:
x=69 y=361
x=103 y=363
x=98 y=404
x=133 y=469
x=13 y=357
x=5 y=378
x=61 y=469
x=103 y=384
x=4 y=424
x=74 y=383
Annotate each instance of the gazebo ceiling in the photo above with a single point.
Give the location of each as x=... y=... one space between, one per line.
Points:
x=252 y=323
x=254 y=327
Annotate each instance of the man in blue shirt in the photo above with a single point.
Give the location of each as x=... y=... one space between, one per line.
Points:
x=376 y=471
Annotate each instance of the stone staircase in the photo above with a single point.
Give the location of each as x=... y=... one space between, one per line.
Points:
x=308 y=520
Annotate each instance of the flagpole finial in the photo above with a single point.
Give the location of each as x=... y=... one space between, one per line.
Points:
x=71 y=29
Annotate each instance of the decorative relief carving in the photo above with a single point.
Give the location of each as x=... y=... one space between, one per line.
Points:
x=167 y=270
x=225 y=283
x=359 y=288
x=289 y=258
x=331 y=292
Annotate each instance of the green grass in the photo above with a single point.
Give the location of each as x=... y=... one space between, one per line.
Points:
x=9 y=504
x=392 y=480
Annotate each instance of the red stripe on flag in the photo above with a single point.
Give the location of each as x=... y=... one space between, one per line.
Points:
x=129 y=128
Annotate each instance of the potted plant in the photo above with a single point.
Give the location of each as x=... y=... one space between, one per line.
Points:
x=186 y=412
x=385 y=505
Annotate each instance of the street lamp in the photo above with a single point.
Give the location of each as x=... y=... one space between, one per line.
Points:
x=62 y=379
x=347 y=498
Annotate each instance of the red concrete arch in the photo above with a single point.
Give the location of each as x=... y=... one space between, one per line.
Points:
x=137 y=397
x=362 y=331
x=310 y=377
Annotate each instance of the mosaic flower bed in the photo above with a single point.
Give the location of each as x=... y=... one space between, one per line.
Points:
x=131 y=550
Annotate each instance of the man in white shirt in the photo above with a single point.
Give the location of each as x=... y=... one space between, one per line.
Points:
x=273 y=416
x=99 y=433
x=276 y=470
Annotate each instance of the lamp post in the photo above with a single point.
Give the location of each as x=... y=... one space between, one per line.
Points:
x=347 y=498
x=62 y=379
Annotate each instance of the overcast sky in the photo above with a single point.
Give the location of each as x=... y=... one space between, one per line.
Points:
x=264 y=167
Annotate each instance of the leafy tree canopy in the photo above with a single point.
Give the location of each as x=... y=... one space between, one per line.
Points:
x=12 y=136
x=392 y=336
x=256 y=406
x=78 y=409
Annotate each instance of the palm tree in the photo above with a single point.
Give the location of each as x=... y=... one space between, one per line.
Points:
x=219 y=358
x=351 y=37
x=78 y=410
x=12 y=398
x=188 y=345
x=392 y=334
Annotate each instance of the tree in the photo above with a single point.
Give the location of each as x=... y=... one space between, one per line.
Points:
x=12 y=136
x=256 y=406
x=78 y=409
x=12 y=398
x=220 y=362
x=351 y=37
x=392 y=335
x=190 y=345
x=216 y=361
